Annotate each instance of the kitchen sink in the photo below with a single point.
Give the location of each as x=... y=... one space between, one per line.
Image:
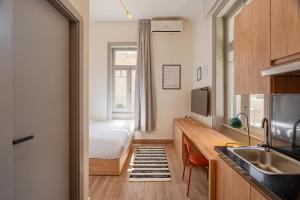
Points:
x=267 y=162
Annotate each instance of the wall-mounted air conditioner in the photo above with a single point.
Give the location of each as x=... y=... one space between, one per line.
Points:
x=166 y=26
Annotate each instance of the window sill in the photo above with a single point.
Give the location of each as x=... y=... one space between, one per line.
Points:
x=244 y=132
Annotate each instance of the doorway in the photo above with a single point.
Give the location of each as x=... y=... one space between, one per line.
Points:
x=44 y=62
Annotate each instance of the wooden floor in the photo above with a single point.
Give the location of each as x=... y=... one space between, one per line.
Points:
x=118 y=187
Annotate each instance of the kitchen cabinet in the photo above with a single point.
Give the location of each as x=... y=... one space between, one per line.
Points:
x=285 y=29
x=260 y=43
x=178 y=142
x=252 y=48
x=256 y=195
x=232 y=186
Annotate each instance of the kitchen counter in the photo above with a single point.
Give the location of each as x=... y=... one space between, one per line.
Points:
x=278 y=187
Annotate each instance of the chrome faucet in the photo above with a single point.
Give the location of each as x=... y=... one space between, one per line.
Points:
x=248 y=127
x=294 y=145
x=265 y=126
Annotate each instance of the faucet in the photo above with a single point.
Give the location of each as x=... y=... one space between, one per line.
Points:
x=248 y=129
x=294 y=145
x=265 y=126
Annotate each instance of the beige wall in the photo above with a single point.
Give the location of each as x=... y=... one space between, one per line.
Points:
x=167 y=48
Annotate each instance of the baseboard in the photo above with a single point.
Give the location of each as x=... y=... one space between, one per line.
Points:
x=152 y=141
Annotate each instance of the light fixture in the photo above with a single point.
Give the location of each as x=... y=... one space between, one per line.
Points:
x=127 y=13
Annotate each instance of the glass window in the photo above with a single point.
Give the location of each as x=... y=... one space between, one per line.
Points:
x=123 y=81
x=256 y=110
x=125 y=57
x=132 y=88
x=120 y=90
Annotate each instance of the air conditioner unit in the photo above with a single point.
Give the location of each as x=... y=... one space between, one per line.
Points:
x=166 y=26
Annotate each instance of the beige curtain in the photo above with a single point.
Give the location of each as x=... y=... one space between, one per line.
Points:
x=145 y=113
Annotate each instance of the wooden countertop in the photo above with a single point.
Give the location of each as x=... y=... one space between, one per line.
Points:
x=203 y=137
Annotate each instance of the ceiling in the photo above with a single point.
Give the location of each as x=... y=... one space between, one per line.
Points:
x=111 y=10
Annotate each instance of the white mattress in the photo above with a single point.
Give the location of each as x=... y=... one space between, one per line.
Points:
x=108 y=139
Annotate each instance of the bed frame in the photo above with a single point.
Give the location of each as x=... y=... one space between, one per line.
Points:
x=112 y=167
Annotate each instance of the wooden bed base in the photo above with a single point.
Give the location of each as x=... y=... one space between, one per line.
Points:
x=111 y=167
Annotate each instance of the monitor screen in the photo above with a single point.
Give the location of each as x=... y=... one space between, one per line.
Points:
x=199 y=103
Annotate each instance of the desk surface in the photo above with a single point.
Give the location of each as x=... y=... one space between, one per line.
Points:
x=203 y=137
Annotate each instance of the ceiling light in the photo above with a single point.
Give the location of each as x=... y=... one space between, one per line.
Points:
x=127 y=13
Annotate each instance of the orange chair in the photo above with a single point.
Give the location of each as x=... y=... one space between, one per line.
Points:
x=194 y=159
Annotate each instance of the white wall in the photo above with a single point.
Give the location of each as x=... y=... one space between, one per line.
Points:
x=102 y=33
x=203 y=57
x=167 y=48
x=203 y=50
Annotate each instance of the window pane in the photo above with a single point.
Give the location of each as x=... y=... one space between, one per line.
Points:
x=121 y=80
x=256 y=103
x=132 y=89
x=237 y=105
x=125 y=57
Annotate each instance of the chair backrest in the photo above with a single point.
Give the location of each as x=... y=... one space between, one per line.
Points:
x=187 y=146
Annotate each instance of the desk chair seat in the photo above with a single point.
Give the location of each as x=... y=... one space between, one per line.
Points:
x=194 y=159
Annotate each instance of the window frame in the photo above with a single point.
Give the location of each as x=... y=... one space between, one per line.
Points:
x=112 y=113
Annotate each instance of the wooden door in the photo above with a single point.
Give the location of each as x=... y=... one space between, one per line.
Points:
x=230 y=185
x=41 y=91
x=252 y=48
x=285 y=28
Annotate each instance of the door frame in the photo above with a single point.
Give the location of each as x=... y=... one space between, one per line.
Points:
x=76 y=96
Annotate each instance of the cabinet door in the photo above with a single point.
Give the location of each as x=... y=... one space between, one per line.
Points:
x=241 y=53
x=230 y=185
x=252 y=48
x=178 y=142
x=285 y=28
x=255 y=195
x=259 y=45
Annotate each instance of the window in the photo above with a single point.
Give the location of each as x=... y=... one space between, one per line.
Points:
x=256 y=110
x=253 y=105
x=123 y=81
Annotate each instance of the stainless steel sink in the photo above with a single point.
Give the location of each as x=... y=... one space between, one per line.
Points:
x=267 y=162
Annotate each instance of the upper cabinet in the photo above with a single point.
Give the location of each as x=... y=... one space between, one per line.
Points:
x=285 y=30
x=267 y=33
x=252 y=47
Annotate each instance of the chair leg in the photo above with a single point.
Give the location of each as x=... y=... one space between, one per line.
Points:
x=207 y=173
x=184 y=168
x=188 y=189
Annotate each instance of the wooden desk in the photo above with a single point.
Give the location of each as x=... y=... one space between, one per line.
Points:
x=204 y=140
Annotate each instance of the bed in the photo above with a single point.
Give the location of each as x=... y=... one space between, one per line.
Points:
x=110 y=143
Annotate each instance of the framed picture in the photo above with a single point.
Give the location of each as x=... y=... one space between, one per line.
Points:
x=171 y=76
x=199 y=73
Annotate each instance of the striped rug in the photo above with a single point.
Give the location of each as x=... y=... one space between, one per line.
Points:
x=150 y=164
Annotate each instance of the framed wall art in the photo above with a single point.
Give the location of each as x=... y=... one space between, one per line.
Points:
x=171 y=76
